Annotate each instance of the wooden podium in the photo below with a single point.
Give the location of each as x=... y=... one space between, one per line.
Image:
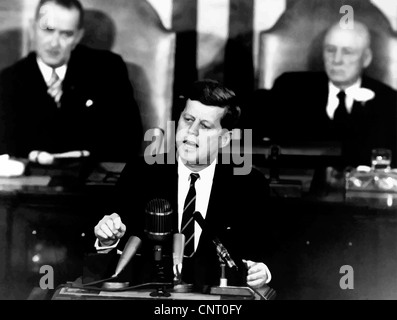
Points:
x=70 y=292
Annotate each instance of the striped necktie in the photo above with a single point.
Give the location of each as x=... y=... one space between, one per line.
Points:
x=55 y=88
x=187 y=218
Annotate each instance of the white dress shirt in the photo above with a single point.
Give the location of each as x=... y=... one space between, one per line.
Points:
x=333 y=100
x=203 y=187
x=46 y=71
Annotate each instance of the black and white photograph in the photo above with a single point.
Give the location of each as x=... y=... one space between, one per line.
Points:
x=191 y=156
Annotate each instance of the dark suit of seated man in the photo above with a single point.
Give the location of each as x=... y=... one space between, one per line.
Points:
x=233 y=205
x=306 y=104
x=64 y=96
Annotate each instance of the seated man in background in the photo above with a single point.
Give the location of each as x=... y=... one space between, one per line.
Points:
x=67 y=97
x=232 y=205
x=339 y=105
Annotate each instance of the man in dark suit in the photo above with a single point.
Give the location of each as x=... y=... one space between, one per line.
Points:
x=64 y=96
x=232 y=205
x=339 y=105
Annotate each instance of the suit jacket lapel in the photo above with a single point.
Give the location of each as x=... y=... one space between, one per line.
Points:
x=324 y=89
x=34 y=77
x=360 y=109
x=217 y=202
x=214 y=214
x=37 y=86
x=73 y=67
x=172 y=185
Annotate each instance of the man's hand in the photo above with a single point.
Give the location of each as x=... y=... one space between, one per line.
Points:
x=257 y=273
x=109 y=229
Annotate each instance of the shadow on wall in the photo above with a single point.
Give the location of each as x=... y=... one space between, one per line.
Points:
x=231 y=65
x=11 y=47
x=100 y=30
x=135 y=30
x=149 y=49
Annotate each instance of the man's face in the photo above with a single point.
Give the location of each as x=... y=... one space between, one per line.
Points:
x=56 y=33
x=199 y=134
x=345 y=56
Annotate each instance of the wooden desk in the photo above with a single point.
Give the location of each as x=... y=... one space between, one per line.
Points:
x=46 y=221
x=312 y=238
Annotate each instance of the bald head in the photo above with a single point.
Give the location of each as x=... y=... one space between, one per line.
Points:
x=346 y=53
x=358 y=36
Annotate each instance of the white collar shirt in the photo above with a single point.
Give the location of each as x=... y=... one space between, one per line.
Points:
x=46 y=70
x=333 y=100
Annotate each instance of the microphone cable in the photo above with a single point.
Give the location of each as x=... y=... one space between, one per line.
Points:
x=98 y=281
x=93 y=288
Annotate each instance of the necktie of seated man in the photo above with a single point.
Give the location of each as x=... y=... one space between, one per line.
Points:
x=187 y=227
x=341 y=116
x=55 y=88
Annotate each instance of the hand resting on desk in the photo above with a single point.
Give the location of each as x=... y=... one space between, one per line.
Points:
x=258 y=274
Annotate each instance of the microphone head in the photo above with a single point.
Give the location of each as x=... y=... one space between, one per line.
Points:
x=158 y=220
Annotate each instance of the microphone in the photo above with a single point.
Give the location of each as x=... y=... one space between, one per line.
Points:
x=158 y=228
x=223 y=254
x=177 y=255
x=220 y=248
x=130 y=249
x=158 y=220
x=274 y=162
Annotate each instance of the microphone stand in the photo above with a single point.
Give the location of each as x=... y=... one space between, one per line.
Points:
x=281 y=187
x=224 y=289
x=224 y=258
x=273 y=159
x=158 y=227
x=223 y=279
x=244 y=292
x=161 y=291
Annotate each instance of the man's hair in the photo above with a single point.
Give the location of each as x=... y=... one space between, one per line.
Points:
x=213 y=93
x=68 y=4
x=361 y=29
